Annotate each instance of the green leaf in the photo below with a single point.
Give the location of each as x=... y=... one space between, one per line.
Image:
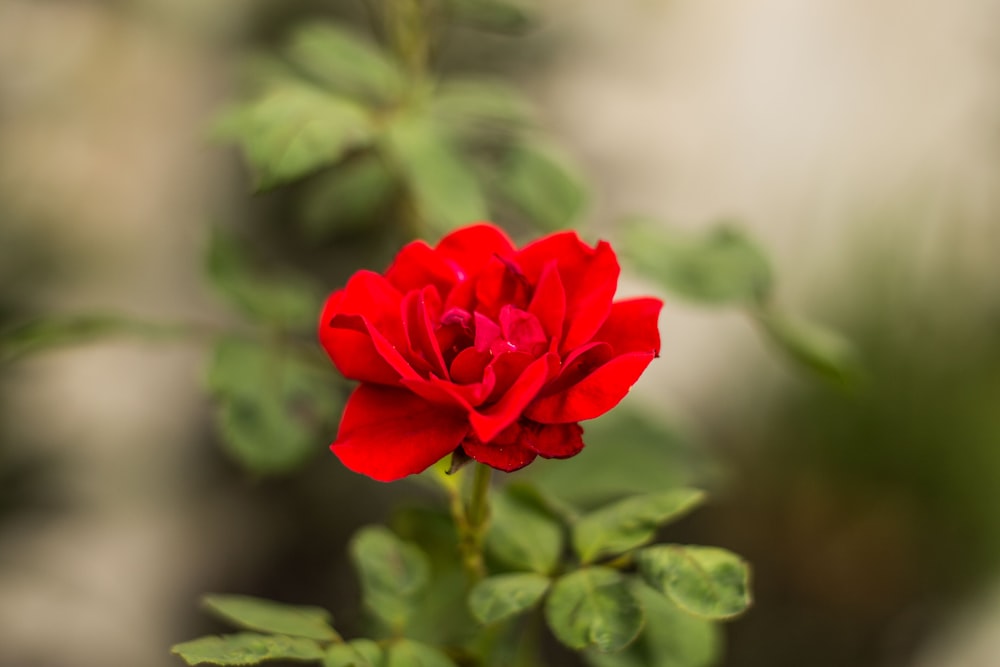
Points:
x=473 y=108
x=355 y=653
x=446 y=192
x=272 y=406
x=294 y=129
x=627 y=453
x=543 y=186
x=522 y=535
x=505 y=595
x=670 y=638
x=705 y=581
x=345 y=62
x=630 y=523
x=408 y=653
x=722 y=266
x=594 y=607
x=817 y=349
x=246 y=648
x=278 y=299
x=393 y=574
x=269 y=616
x=493 y=15
x=348 y=199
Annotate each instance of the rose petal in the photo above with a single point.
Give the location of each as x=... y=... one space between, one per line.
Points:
x=522 y=330
x=506 y=452
x=468 y=366
x=460 y=396
x=489 y=422
x=342 y=340
x=421 y=341
x=632 y=326
x=548 y=303
x=367 y=307
x=500 y=283
x=418 y=265
x=579 y=364
x=390 y=433
x=589 y=275
x=593 y=395
x=467 y=250
x=554 y=441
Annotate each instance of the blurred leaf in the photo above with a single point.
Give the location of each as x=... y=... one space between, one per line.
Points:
x=543 y=186
x=817 y=349
x=523 y=536
x=505 y=595
x=280 y=300
x=348 y=199
x=627 y=452
x=630 y=523
x=345 y=62
x=269 y=616
x=293 y=129
x=355 y=653
x=446 y=192
x=471 y=108
x=593 y=607
x=670 y=638
x=722 y=266
x=393 y=574
x=408 y=653
x=704 y=581
x=501 y=16
x=246 y=648
x=271 y=405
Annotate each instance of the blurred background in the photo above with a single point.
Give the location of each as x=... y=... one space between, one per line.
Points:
x=859 y=142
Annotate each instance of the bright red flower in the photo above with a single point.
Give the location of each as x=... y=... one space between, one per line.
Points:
x=477 y=345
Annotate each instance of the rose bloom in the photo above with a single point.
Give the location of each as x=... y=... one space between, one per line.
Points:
x=476 y=345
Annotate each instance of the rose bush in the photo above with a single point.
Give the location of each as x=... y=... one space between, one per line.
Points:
x=477 y=345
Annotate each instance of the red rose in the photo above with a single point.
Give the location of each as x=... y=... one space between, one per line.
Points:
x=476 y=344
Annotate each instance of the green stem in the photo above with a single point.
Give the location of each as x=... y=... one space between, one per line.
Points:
x=471 y=521
x=406 y=25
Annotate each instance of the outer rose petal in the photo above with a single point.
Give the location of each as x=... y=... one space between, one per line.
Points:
x=418 y=265
x=391 y=433
x=555 y=441
x=632 y=326
x=506 y=452
x=353 y=352
x=468 y=249
x=354 y=341
x=593 y=395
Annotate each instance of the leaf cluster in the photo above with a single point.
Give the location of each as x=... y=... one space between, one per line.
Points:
x=375 y=132
x=594 y=579
x=600 y=587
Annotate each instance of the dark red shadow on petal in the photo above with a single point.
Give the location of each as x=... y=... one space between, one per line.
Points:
x=506 y=452
x=553 y=441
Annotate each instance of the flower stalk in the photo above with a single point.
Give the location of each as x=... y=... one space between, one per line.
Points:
x=471 y=520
